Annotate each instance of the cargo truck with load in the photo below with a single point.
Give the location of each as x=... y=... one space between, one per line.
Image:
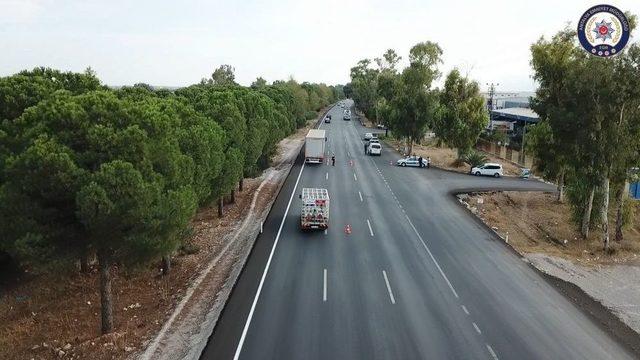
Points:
x=315 y=209
x=314 y=146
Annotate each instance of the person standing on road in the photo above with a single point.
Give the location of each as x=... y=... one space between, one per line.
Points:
x=365 y=148
x=420 y=161
x=428 y=162
x=333 y=160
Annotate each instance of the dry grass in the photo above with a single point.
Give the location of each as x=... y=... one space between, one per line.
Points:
x=41 y=314
x=64 y=309
x=536 y=223
x=446 y=158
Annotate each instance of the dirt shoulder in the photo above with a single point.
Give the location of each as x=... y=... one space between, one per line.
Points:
x=445 y=158
x=441 y=156
x=540 y=229
x=57 y=316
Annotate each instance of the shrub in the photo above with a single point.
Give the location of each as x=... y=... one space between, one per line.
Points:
x=475 y=158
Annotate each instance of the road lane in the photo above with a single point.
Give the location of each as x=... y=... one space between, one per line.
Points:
x=407 y=227
x=521 y=314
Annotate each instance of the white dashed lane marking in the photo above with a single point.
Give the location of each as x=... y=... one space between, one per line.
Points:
x=386 y=280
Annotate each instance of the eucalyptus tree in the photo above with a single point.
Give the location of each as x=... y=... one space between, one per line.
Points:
x=462 y=113
x=364 y=87
x=414 y=104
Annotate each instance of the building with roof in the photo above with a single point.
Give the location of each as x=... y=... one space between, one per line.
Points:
x=510 y=111
x=515 y=114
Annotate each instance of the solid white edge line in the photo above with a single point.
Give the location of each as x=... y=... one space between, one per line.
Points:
x=266 y=268
x=433 y=258
x=386 y=280
x=360 y=194
x=324 y=286
x=370 y=230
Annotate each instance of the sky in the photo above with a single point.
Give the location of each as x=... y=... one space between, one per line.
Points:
x=176 y=43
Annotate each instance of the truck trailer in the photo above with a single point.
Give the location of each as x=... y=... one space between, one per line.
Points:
x=314 y=146
x=315 y=209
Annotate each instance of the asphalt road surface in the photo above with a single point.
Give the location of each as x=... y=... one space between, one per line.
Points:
x=417 y=277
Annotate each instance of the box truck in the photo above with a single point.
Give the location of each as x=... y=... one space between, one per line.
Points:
x=314 y=146
x=315 y=209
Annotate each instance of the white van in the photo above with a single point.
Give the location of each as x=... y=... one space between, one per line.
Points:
x=374 y=149
x=488 y=169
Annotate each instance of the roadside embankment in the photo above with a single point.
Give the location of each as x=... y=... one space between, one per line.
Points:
x=540 y=229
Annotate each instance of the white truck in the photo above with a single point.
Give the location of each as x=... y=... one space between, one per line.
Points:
x=314 y=146
x=315 y=209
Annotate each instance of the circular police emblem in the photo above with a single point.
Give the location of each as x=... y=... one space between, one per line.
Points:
x=603 y=30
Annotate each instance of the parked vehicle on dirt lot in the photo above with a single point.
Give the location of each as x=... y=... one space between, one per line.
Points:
x=412 y=161
x=314 y=146
x=488 y=169
x=315 y=209
x=374 y=149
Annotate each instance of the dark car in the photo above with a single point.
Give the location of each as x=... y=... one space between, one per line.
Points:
x=327 y=119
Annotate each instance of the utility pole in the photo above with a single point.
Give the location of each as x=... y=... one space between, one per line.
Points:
x=524 y=132
x=491 y=100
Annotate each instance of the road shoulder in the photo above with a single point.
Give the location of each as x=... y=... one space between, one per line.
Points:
x=606 y=289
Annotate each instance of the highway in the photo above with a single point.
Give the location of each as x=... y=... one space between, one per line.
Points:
x=417 y=277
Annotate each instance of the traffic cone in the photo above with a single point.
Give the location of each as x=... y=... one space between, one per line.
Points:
x=347 y=229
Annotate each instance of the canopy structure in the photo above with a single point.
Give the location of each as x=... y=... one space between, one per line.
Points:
x=516 y=114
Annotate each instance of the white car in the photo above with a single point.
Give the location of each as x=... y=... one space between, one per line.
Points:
x=374 y=149
x=488 y=169
x=374 y=140
x=412 y=161
x=368 y=136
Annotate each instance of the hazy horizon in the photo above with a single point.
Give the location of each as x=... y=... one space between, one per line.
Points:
x=175 y=45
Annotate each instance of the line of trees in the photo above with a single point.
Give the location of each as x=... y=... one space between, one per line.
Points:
x=589 y=136
x=87 y=171
x=409 y=105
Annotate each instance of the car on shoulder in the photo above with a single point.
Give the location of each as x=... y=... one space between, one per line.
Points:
x=368 y=136
x=374 y=140
x=412 y=161
x=488 y=169
x=327 y=119
x=374 y=149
